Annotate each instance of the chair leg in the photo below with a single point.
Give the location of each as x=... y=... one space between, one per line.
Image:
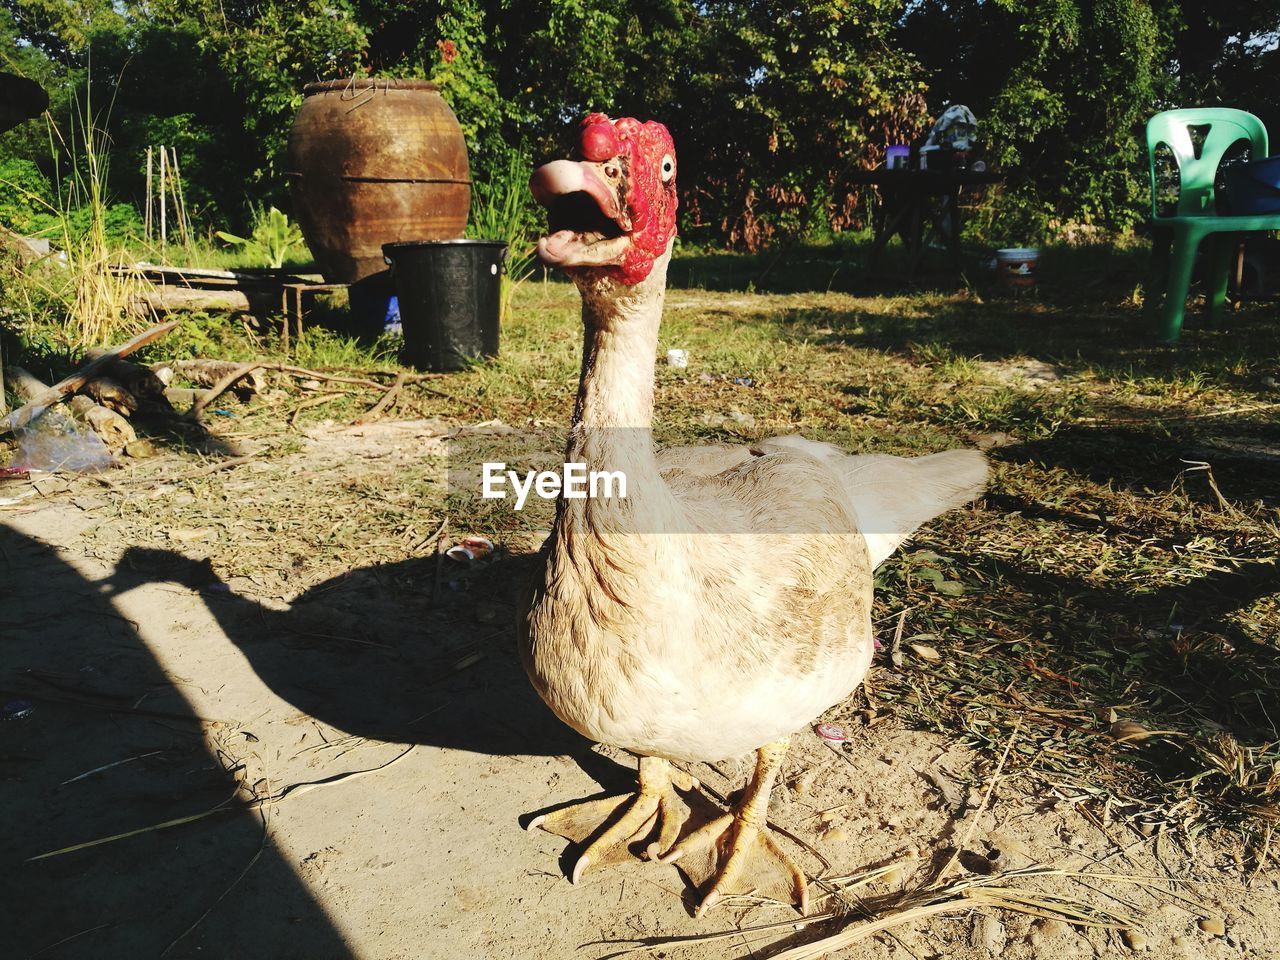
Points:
x=1220 y=249
x=1175 y=295
x=1157 y=273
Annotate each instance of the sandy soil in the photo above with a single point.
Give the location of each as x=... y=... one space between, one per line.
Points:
x=403 y=749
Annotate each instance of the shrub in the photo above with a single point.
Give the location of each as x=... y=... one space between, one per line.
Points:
x=26 y=196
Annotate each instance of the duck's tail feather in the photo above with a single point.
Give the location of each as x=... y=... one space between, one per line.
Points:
x=893 y=496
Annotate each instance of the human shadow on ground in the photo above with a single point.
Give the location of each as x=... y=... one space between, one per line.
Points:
x=99 y=701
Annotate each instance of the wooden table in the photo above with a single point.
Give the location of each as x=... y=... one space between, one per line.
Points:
x=911 y=200
x=291 y=305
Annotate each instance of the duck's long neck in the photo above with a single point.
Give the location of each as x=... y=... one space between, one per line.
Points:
x=614 y=413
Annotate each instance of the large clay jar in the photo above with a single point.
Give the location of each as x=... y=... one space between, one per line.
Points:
x=373 y=162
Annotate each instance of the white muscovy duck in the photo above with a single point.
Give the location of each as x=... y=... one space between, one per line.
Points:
x=725 y=601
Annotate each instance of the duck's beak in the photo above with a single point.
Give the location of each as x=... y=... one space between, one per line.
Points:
x=586 y=212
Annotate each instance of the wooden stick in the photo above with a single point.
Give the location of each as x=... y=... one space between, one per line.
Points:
x=169 y=299
x=221 y=387
x=28 y=411
x=147 y=225
x=25 y=384
x=179 y=202
x=164 y=231
x=207 y=372
x=382 y=404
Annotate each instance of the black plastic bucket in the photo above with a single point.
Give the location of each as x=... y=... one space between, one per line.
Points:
x=450 y=299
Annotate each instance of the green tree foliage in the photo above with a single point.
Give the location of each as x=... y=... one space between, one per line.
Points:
x=1227 y=54
x=772 y=104
x=64 y=29
x=26 y=196
x=1062 y=89
x=1065 y=87
x=791 y=99
x=253 y=59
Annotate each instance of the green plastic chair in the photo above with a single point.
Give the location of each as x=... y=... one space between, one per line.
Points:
x=1195 y=218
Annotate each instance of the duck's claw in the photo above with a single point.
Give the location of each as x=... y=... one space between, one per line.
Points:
x=738 y=857
x=631 y=835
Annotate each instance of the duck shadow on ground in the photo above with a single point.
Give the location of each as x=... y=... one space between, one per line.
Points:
x=366 y=652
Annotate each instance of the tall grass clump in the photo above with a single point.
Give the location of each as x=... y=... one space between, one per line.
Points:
x=502 y=209
x=80 y=293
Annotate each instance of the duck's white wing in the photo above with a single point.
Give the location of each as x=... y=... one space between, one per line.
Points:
x=704 y=460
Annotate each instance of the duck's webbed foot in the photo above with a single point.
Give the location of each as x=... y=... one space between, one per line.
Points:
x=641 y=825
x=737 y=853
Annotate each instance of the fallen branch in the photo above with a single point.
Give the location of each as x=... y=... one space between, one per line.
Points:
x=140 y=381
x=206 y=373
x=221 y=387
x=384 y=403
x=166 y=300
x=68 y=385
x=111 y=393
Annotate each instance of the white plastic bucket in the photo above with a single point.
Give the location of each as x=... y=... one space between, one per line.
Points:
x=1016 y=266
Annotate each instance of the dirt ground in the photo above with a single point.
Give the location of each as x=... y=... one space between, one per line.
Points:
x=342 y=761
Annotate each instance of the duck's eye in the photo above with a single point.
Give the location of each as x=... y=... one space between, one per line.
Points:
x=668 y=168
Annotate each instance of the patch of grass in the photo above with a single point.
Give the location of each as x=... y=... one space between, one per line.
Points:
x=74 y=299
x=1105 y=579
x=503 y=209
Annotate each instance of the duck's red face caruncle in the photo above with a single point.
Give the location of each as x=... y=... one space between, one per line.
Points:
x=612 y=209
